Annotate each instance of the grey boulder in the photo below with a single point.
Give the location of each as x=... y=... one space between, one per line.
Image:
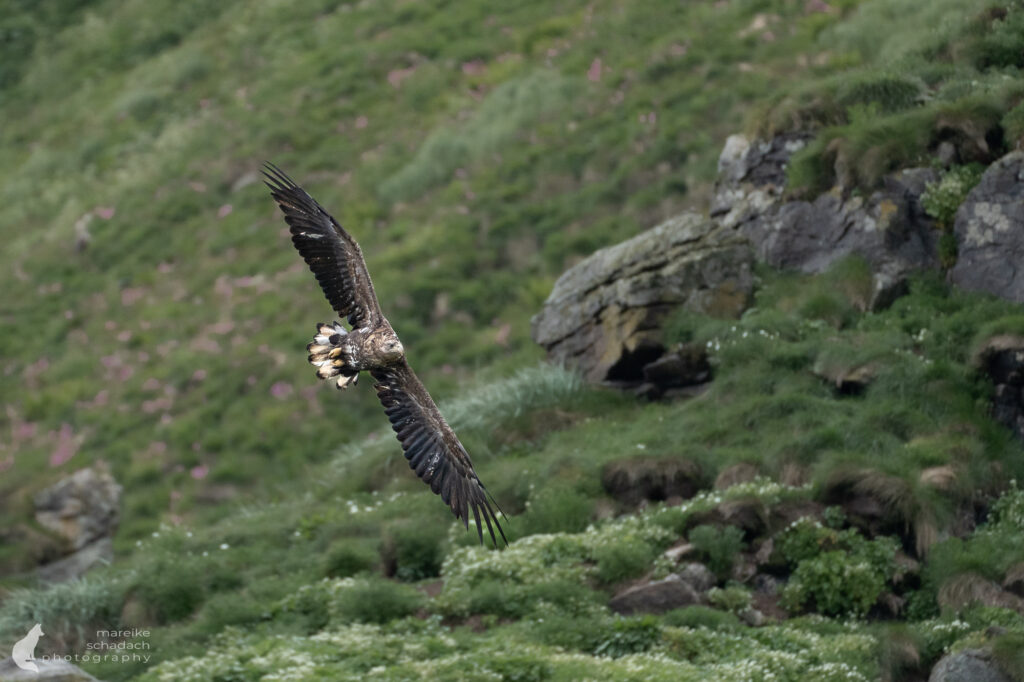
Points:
x=968 y=665
x=657 y=596
x=989 y=231
x=604 y=314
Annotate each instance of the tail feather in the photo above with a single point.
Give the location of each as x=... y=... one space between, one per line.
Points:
x=329 y=356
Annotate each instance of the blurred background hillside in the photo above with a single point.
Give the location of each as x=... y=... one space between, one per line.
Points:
x=154 y=317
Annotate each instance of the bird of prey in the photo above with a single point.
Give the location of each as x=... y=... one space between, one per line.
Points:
x=429 y=443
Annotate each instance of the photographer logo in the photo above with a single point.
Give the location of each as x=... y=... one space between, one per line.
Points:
x=24 y=651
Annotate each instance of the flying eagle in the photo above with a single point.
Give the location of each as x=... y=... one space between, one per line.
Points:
x=431 y=446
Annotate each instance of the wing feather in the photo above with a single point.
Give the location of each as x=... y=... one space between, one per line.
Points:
x=331 y=252
x=432 y=448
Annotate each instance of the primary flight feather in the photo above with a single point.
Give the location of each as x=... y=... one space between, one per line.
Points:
x=429 y=443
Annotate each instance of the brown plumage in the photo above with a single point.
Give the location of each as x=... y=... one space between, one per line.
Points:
x=429 y=443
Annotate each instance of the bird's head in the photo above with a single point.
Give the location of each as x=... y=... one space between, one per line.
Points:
x=393 y=350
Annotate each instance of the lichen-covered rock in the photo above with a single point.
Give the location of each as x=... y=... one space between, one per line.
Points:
x=752 y=176
x=81 y=508
x=657 y=596
x=603 y=314
x=968 y=665
x=698 y=575
x=889 y=228
x=989 y=231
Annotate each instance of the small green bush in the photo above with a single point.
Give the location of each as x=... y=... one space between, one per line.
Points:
x=718 y=547
x=579 y=634
x=836 y=572
x=523 y=668
x=413 y=551
x=830 y=307
x=345 y=558
x=377 y=600
x=1008 y=651
x=1008 y=510
x=171 y=590
x=702 y=617
x=630 y=636
x=832 y=584
x=622 y=560
x=886 y=91
x=506 y=600
x=556 y=508
x=941 y=199
x=734 y=598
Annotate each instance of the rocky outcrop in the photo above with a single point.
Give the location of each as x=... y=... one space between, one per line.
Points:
x=83 y=510
x=968 y=665
x=989 y=231
x=1001 y=358
x=78 y=563
x=697 y=575
x=684 y=367
x=752 y=176
x=655 y=479
x=657 y=596
x=888 y=228
x=604 y=314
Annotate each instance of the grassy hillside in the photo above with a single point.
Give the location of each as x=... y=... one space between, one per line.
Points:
x=473 y=154
x=155 y=317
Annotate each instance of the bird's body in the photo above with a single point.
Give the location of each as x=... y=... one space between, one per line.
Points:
x=431 y=446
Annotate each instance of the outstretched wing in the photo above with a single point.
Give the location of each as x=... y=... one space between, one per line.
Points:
x=432 y=448
x=331 y=252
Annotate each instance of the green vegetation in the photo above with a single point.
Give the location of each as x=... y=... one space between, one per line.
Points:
x=154 y=317
x=905 y=90
x=718 y=547
x=941 y=199
x=918 y=440
x=835 y=572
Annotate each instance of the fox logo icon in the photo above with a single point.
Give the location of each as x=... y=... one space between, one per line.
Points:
x=24 y=652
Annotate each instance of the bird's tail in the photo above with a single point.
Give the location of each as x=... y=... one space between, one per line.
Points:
x=328 y=353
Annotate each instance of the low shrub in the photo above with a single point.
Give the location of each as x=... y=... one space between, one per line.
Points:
x=630 y=636
x=733 y=598
x=941 y=199
x=413 y=551
x=702 y=617
x=522 y=668
x=556 y=508
x=170 y=590
x=835 y=572
x=376 y=600
x=346 y=558
x=623 y=560
x=718 y=547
